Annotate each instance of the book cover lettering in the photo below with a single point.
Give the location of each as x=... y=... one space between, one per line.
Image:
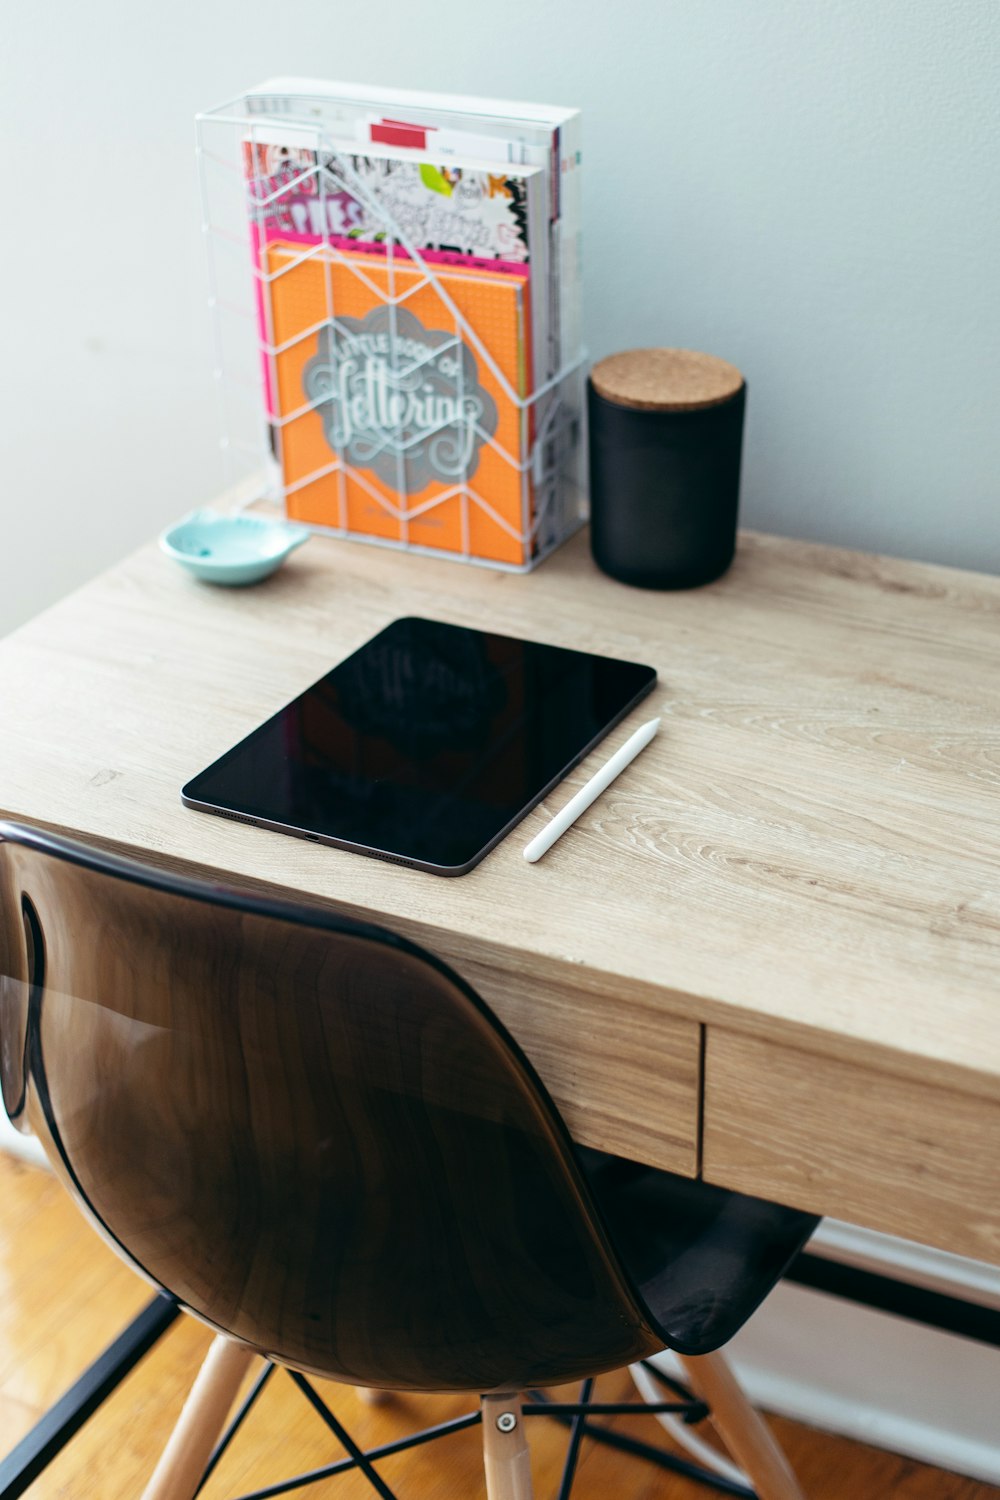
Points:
x=391 y=418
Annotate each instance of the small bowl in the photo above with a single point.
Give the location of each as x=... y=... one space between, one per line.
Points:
x=231 y=550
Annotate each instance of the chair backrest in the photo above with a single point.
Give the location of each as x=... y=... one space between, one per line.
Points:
x=310 y=1132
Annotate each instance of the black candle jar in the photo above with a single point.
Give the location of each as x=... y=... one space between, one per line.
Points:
x=666 y=435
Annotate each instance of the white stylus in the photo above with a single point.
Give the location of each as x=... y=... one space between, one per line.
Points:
x=589 y=793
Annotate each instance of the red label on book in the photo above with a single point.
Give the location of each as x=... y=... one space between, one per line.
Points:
x=399 y=135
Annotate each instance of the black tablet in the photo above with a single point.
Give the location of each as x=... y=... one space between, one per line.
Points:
x=426 y=746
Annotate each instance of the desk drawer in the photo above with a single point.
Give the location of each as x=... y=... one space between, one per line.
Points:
x=624 y=1076
x=908 y=1158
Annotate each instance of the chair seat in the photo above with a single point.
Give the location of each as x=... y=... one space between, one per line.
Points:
x=702 y=1258
x=317 y=1137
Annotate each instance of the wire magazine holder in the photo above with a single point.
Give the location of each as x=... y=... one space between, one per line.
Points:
x=376 y=428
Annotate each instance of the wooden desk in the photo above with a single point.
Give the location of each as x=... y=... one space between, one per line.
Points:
x=770 y=954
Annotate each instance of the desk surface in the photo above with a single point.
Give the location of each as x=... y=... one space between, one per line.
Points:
x=804 y=862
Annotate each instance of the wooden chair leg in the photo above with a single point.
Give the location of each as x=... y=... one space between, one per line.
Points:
x=183 y=1461
x=505 y=1449
x=741 y=1428
x=370 y=1395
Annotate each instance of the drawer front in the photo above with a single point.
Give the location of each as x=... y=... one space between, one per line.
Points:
x=908 y=1158
x=624 y=1076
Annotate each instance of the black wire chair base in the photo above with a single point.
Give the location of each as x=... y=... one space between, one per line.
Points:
x=577 y=1418
x=576 y=1415
x=357 y=1458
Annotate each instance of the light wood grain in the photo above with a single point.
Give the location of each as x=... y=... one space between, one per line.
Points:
x=16 y=1421
x=746 y=1434
x=506 y=1459
x=807 y=852
x=202 y=1422
x=912 y=1159
x=595 y=1057
x=37 y=1334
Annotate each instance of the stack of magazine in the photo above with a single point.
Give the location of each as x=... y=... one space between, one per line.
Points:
x=417 y=302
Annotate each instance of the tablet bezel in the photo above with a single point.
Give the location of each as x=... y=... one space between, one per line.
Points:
x=236 y=813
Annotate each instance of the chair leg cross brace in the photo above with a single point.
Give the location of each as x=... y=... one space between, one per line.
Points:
x=343 y=1437
x=236 y=1423
x=575 y=1438
x=190 y=1457
x=540 y=1406
x=344 y=1465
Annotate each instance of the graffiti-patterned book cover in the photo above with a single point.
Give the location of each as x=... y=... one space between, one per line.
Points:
x=393 y=399
x=468 y=209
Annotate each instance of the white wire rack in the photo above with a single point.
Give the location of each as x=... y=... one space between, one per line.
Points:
x=376 y=428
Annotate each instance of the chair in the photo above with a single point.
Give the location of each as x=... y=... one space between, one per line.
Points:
x=316 y=1137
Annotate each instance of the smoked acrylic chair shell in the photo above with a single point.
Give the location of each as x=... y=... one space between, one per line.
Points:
x=316 y=1137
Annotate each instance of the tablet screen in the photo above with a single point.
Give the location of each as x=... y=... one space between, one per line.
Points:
x=426 y=746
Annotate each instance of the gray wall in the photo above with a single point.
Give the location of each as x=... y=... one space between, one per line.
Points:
x=811 y=190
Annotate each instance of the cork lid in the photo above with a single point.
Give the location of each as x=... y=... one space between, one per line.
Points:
x=665 y=379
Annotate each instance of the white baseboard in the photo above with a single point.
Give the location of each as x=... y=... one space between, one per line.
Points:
x=874 y=1377
x=920 y=1265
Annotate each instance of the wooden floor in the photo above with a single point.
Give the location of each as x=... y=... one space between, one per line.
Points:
x=63 y=1296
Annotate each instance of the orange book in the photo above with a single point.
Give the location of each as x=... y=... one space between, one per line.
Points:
x=392 y=421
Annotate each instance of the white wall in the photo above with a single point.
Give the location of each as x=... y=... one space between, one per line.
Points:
x=812 y=190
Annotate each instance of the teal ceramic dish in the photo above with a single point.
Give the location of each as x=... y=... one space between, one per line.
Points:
x=232 y=550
